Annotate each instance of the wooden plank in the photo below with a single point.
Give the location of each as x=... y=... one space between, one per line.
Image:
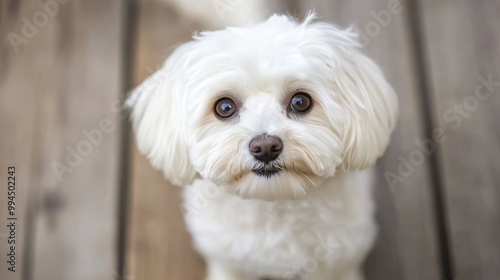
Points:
x=407 y=245
x=69 y=75
x=17 y=94
x=462 y=44
x=408 y=235
x=158 y=245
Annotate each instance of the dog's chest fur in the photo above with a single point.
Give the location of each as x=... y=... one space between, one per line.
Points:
x=330 y=227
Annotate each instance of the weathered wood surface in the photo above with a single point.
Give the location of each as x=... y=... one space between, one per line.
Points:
x=462 y=52
x=17 y=114
x=442 y=210
x=62 y=82
x=156 y=230
x=158 y=246
x=408 y=235
x=407 y=240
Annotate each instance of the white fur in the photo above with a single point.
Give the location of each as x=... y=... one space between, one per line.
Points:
x=250 y=226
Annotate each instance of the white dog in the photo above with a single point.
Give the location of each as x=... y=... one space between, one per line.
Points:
x=270 y=129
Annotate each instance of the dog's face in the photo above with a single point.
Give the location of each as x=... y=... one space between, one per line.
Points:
x=267 y=111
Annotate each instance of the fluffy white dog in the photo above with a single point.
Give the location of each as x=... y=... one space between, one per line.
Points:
x=270 y=128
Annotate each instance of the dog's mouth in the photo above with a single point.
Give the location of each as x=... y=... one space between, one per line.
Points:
x=267 y=170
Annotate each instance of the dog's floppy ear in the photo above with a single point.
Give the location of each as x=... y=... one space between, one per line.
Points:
x=371 y=107
x=370 y=103
x=160 y=121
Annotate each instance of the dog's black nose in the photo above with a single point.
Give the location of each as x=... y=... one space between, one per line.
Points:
x=266 y=148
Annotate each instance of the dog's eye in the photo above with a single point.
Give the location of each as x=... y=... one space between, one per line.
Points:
x=301 y=103
x=225 y=108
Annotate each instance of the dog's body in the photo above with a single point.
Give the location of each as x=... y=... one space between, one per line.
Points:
x=267 y=127
x=325 y=235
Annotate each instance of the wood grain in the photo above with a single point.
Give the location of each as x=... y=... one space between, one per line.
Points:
x=407 y=240
x=62 y=82
x=158 y=245
x=407 y=236
x=18 y=103
x=67 y=76
x=461 y=40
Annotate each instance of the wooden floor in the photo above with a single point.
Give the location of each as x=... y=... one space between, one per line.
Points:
x=89 y=206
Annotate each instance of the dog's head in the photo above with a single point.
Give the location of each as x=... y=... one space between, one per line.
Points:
x=267 y=111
